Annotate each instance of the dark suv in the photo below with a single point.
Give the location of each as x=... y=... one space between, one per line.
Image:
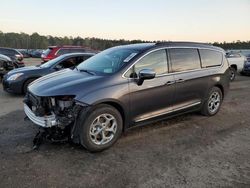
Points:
x=126 y=86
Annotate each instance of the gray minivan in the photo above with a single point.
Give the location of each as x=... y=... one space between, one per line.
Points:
x=126 y=86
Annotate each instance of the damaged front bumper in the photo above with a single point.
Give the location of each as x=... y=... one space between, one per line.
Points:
x=46 y=121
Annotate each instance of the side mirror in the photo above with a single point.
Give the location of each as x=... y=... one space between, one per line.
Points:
x=145 y=74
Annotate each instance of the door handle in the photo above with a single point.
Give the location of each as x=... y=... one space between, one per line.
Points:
x=170 y=83
x=180 y=81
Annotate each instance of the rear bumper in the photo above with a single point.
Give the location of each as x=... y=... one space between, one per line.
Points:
x=46 y=122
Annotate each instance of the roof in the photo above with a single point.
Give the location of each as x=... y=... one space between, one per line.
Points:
x=188 y=44
x=146 y=46
x=138 y=46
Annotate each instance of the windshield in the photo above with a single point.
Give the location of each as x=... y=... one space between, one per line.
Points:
x=108 y=61
x=52 y=62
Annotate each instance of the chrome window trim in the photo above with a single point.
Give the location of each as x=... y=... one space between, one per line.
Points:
x=173 y=47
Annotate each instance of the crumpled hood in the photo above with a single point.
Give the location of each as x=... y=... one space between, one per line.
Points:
x=64 y=82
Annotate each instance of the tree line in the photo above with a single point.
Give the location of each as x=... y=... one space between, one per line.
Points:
x=36 y=41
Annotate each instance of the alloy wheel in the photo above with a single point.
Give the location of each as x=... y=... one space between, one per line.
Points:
x=103 y=129
x=214 y=102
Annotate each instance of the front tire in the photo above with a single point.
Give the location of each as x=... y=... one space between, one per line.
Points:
x=100 y=128
x=26 y=84
x=213 y=102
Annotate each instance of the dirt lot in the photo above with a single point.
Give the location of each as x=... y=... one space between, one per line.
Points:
x=188 y=151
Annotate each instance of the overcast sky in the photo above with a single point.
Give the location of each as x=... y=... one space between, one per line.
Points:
x=187 y=20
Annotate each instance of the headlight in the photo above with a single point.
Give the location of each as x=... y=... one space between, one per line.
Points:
x=14 y=76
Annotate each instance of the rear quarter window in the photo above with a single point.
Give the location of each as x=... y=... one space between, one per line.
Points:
x=210 y=58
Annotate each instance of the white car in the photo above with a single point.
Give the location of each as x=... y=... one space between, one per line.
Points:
x=236 y=62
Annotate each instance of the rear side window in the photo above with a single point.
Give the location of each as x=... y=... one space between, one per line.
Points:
x=81 y=59
x=77 y=50
x=210 y=58
x=62 y=51
x=183 y=59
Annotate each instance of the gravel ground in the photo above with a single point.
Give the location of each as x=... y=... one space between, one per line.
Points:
x=187 y=151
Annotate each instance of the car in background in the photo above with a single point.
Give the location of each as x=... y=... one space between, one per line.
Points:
x=236 y=62
x=36 y=53
x=246 y=69
x=55 y=51
x=14 y=55
x=245 y=52
x=17 y=81
x=248 y=57
x=24 y=52
x=6 y=65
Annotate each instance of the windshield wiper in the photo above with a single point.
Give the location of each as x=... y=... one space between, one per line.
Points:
x=87 y=71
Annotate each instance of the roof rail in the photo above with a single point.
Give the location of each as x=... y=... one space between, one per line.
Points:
x=181 y=42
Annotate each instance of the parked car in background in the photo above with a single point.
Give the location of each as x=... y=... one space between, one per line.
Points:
x=17 y=81
x=36 y=53
x=236 y=62
x=248 y=57
x=6 y=65
x=126 y=86
x=55 y=51
x=14 y=55
x=24 y=52
x=245 y=52
x=246 y=69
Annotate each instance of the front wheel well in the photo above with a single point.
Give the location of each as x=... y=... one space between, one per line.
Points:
x=119 y=108
x=27 y=81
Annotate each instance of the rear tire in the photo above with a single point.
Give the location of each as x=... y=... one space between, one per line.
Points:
x=100 y=128
x=232 y=74
x=213 y=102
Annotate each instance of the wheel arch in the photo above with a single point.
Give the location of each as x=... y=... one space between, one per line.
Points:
x=234 y=66
x=120 y=109
x=221 y=88
x=30 y=78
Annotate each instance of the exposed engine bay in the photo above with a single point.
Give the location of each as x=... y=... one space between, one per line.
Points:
x=56 y=117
